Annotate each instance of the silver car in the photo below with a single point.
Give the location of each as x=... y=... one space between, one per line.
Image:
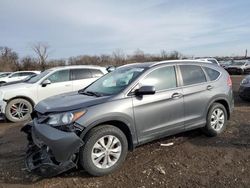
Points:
x=134 y=104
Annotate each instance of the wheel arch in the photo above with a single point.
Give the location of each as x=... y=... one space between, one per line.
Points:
x=116 y=123
x=222 y=101
x=22 y=97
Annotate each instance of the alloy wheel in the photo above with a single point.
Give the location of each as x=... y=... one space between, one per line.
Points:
x=217 y=119
x=106 y=151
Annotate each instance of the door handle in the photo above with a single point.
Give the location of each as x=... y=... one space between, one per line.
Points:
x=209 y=87
x=67 y=85
x=176 y=95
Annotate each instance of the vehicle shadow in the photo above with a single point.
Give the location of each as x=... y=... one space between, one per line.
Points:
x=236 y=138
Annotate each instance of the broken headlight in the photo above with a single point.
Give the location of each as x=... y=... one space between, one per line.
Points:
x=65 y=118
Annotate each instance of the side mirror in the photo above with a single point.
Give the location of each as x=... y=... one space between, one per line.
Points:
x=145 y=90
x=45 y=83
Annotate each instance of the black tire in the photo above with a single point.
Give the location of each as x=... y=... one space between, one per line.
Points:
x=209 y=129
x=85 y=153
x=2 y=83
x=17 y=102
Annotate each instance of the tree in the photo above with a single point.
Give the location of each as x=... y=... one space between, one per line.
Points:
x=29 y=63
x=41 y=50
x=119 y=57
x=8 y=59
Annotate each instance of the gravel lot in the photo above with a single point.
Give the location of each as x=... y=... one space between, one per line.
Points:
x=193 y=161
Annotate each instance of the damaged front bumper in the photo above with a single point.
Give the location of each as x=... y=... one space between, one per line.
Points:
x=50 y=151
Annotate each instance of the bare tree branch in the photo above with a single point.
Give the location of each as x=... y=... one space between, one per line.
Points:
x=41 y=50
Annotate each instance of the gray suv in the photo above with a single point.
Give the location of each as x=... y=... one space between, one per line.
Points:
x=134 y=104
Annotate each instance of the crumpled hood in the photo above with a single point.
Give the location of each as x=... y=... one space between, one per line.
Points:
x=67 y=102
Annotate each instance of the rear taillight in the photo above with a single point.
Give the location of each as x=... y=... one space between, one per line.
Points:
x=229 y=81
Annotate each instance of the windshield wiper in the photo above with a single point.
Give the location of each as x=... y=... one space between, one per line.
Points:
x=90 y=93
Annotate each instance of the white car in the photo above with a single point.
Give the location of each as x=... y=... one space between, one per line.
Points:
x=4 y=74
x=210 y=59
x=17 y=100
x=17 y=76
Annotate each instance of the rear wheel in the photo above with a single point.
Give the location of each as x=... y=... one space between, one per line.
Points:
x=18 y=110
x=104 y=151
x=216 y=120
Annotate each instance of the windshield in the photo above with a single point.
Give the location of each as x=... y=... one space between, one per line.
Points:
x=38 y=77
x=114 y=82
x=239 y=63
x=4 y=75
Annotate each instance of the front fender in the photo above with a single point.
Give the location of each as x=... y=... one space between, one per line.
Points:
x=113 y=118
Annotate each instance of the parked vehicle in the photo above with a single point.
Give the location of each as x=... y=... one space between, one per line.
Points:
x=17 y=100
x=209 y=59
x=130 y=106
x=19 y=81
x=4 y=74
x=226 y=64
x=244 y=90
x=239 y=67
x=17 y=76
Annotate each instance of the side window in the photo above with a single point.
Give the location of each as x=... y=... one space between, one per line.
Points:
x=15 y=75
x=78 y=74
x=59 y=76
x=192 y=74
x=96 y=73
x=26 y=73
x=212 y=74
x=162 y=78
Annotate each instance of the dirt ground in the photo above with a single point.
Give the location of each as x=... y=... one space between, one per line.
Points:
x=193 y=161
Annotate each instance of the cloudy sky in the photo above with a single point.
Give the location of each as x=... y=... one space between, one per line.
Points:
x=77 y=27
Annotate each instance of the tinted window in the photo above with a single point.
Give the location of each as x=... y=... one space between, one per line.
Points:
x=162 y=78
x=15 y=75
x=26 y=73
x=212 y=74
x=59 y=76
x=96 y=73
x=192 y=74
x=78 y=74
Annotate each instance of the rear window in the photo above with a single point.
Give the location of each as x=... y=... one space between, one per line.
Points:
x=78 y=74
x=212 y=74
x=26 y=73
x=192 y=74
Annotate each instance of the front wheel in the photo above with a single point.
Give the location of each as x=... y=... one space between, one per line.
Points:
x=216 y=120
x=18 y=110
x=104 y=150
x=2 y=83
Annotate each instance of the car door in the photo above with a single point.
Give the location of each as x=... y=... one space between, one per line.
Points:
x=14 y=77
x=196 y=94
x=60 y=83
x=162 y=113
x=81 y=78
